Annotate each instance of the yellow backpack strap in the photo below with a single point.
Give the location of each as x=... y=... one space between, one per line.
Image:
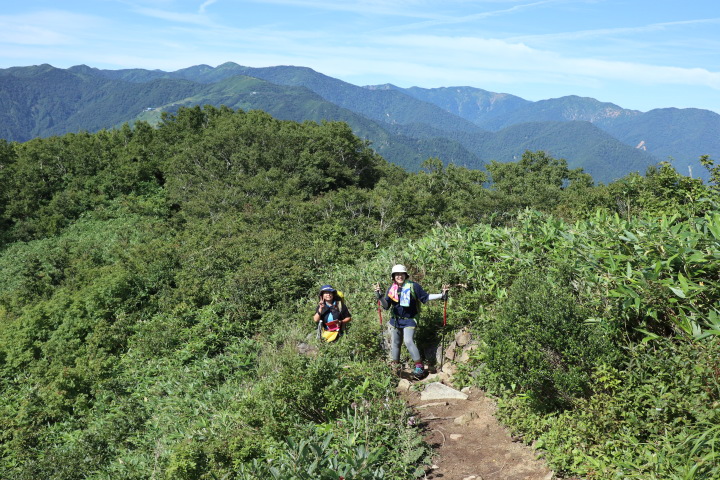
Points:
x=340 y=299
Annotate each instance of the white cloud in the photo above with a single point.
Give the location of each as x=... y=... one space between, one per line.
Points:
x=614 y=32
x=51 y=27
x=482 y=55
x=423 y=9
x=191 y=18
x=206 y=4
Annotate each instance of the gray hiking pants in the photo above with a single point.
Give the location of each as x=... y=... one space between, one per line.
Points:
x=400 y=335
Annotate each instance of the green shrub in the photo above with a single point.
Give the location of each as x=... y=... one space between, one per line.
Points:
x=318 y=459
x=656 y=418
x=541 y=344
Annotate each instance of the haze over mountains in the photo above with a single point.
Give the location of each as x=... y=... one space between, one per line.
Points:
x=463 y=125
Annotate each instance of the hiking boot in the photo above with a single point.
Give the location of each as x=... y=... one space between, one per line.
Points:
x=419 y=372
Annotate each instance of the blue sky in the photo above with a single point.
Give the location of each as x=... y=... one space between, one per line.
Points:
x=638 y=54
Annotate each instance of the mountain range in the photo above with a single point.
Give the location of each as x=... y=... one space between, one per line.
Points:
x=463 y=125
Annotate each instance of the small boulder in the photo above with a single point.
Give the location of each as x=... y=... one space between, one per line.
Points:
x=465 y=419
x=450 y=350
x=403 y=385
x=449 y=369
x=462 y=338
x=438 y=391
x=307 y=349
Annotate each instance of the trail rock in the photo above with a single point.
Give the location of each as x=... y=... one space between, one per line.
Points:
x=450 y=350
x=432 y=377
x=465 y=356
x=438 y=391
x=403 y=385
x=462 y=338
x=307 y=349
x=439 y=354
x=441 y=377
x=449 y=369
x=466 y=418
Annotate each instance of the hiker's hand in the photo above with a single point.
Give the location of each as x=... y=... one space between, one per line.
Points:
x=377 y=288
x=445 y=291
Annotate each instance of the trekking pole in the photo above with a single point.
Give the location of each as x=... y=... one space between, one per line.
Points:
x=377 y=287
x=445 y=289
x=445 y=313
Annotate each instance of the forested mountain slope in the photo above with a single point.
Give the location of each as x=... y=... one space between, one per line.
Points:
x=680 y=135
x=46 y=101
x=474 y=104
x=599 y=152
x=381 y=106
x=406 y=125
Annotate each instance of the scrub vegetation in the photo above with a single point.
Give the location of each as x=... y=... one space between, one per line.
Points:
x=156 y=284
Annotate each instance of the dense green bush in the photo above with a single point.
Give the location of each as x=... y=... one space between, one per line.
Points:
x=540 y=343
x=655 y=417
x=318 y=459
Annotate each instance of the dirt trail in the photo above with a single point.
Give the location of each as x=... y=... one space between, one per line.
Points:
x=469 y=442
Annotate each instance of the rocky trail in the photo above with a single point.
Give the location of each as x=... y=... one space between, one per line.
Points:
x=468 y=441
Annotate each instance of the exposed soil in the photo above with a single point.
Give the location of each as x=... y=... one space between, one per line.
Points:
x=469 y=442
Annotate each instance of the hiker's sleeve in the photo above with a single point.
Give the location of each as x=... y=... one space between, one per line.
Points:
x=421 y=294
x=345 y=313
x=385 y=301
x=435 y=296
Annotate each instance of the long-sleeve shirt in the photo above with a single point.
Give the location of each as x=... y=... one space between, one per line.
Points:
x=404 y=316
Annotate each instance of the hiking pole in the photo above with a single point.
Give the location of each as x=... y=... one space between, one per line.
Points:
x=445 y=313
x=377 y=288
x=445 y=289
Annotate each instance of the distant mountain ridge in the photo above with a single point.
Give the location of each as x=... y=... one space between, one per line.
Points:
x=682 y=135
x=462 y=125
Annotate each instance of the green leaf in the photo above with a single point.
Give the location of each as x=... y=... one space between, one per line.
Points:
x=683 y=282
x=678 y=291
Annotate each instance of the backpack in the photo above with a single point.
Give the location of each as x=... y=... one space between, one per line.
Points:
x=340 y=297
